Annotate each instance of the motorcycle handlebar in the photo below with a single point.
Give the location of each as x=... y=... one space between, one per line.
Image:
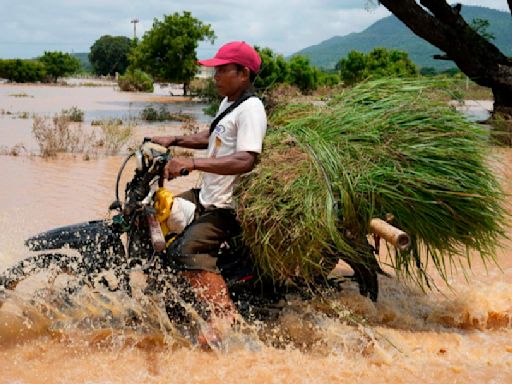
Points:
x=183 y=172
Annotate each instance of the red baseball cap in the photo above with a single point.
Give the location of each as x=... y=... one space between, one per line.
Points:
x=236 y=52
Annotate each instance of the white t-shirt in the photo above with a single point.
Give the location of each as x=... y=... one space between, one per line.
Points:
x=241 y=130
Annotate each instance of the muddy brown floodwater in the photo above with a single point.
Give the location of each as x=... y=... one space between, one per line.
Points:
x=457 y=335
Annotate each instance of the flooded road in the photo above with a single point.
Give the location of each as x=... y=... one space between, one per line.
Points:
x=457 y=335
x=20 y=102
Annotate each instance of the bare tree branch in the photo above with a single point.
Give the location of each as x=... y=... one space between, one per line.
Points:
x=441 y=57
x=443 y=26
x=442 y=10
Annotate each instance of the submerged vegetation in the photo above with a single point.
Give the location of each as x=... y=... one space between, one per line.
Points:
x=385 y=147
x=58 y=134
x=114 y=136
x=16 y=150
x=136 y=81
x=73 y=114
x=150 y=113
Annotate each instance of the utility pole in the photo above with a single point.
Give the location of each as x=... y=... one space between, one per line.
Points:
x=134 y=22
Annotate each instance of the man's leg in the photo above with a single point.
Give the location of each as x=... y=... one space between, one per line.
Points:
x=211 y=288
x=196 y=251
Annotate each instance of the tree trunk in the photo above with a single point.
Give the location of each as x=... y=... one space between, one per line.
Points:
x=502 y=116
x=502 y=101
x=442 y=25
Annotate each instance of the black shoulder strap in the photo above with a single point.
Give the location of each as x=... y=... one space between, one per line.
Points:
x=247 y=94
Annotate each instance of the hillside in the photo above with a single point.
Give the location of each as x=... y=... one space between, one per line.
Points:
x=392 y=33
x=84 y=60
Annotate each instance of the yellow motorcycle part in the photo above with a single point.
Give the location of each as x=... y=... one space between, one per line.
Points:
x=163 y=203
x=170 y=241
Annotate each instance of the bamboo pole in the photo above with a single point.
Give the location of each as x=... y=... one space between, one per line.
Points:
x=396 y=237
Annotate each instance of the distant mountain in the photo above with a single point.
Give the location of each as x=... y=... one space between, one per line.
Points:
x=392 y=33
x=84 y=60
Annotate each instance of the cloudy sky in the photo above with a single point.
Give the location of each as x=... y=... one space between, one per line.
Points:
x=29 y=27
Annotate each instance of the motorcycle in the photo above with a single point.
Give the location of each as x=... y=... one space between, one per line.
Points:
x=146 y=245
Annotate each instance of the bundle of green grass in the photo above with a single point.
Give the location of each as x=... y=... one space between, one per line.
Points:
x=383 y=148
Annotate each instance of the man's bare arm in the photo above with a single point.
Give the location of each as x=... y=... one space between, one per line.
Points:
x=195 y=141
x=235 y=164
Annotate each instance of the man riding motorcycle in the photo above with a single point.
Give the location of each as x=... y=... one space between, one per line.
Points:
x=233 y=142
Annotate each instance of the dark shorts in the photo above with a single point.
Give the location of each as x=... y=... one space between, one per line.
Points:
x=198 y=245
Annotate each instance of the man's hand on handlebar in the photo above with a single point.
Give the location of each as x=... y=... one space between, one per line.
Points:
x=178 y=166
x=165 y=141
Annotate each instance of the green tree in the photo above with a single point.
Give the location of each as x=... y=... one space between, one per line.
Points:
x=274 y=69
x=380 y=62
x=428 y=71
x=327 y=78
x=352 y=68
x=22 y=71
x=452 y=72
x=109 y=54
x=383 y=62
x=168 y=50
x=302 y=74
x=58 y=64
x=135 y=80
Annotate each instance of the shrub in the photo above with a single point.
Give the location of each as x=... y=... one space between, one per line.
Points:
x=162 y=114
x=328 y=79
x=149 y=114
x=13 y=151
x=114 y=135
x=501 y=133
x=116 y=120
x=206 y=91
x=22 y=71
x=302 y=74
x=73 y=114
x=22 y=94
x=23 y=115
x=212 y=108
x=135 y=80
x=379 y=63
x=61 y=136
